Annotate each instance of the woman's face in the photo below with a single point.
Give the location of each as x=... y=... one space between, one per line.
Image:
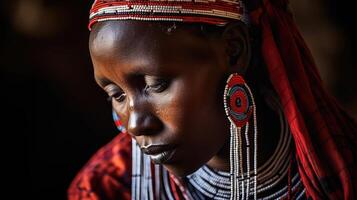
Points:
x=166 y=88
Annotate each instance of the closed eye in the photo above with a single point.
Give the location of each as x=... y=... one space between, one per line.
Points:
x=114 y=92
x=156 y=84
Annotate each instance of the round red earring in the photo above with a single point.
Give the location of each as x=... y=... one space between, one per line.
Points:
x=238 y=100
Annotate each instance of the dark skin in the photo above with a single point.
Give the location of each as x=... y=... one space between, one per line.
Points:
x=168 y=88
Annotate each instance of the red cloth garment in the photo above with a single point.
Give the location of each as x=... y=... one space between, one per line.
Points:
x=325 y=136
x=107 y=175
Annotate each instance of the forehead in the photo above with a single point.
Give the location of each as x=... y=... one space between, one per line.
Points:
x=148 y=42
x=108 y=37
x=135 y=35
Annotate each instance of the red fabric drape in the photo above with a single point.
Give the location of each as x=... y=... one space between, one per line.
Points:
x=325 y=137
x=107 y=175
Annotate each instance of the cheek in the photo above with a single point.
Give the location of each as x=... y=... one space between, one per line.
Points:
x=173 y=108
x=193 y=112
x=169 y=108
x=209 y=123
x=205 y=104
x=206 y=118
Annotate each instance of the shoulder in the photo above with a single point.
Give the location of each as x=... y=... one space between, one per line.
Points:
x=107 y=175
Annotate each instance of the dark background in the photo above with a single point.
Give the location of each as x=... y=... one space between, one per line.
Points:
x=54 y=117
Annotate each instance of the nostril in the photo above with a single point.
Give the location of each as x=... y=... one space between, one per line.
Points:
x=144 y=124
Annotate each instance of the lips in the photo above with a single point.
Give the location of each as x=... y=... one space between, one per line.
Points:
x=160 y=154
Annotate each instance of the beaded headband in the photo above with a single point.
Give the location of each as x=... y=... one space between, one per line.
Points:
x=215 y=12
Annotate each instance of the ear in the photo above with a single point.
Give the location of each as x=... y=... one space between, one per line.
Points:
x=237 y=47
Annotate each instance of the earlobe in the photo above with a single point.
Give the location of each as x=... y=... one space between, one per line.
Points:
x=238 y=50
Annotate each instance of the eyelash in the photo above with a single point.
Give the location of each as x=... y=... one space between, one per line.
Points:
x=158 y=87
x=115 y=96
x=114 y=93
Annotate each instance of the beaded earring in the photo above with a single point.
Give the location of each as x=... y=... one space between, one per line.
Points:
x=117 y=122
x=240 y=108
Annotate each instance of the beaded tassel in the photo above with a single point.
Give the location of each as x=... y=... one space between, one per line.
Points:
x=234 y=158
x=157 y=181
x=136 y=171
x=255 y=156
x=247 y=158
x=142 y=185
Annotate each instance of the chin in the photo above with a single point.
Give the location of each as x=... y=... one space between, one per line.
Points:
x=179 y=170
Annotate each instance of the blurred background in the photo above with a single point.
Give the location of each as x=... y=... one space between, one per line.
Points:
x=55 y=117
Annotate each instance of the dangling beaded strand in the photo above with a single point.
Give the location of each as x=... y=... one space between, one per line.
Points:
x=255 y=142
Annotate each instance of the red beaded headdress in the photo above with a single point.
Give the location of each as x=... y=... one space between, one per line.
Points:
x=217 y=12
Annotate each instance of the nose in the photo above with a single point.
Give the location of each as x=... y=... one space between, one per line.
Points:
x=143 y=123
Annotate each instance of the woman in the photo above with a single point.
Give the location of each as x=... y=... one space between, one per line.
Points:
x=214 y=100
